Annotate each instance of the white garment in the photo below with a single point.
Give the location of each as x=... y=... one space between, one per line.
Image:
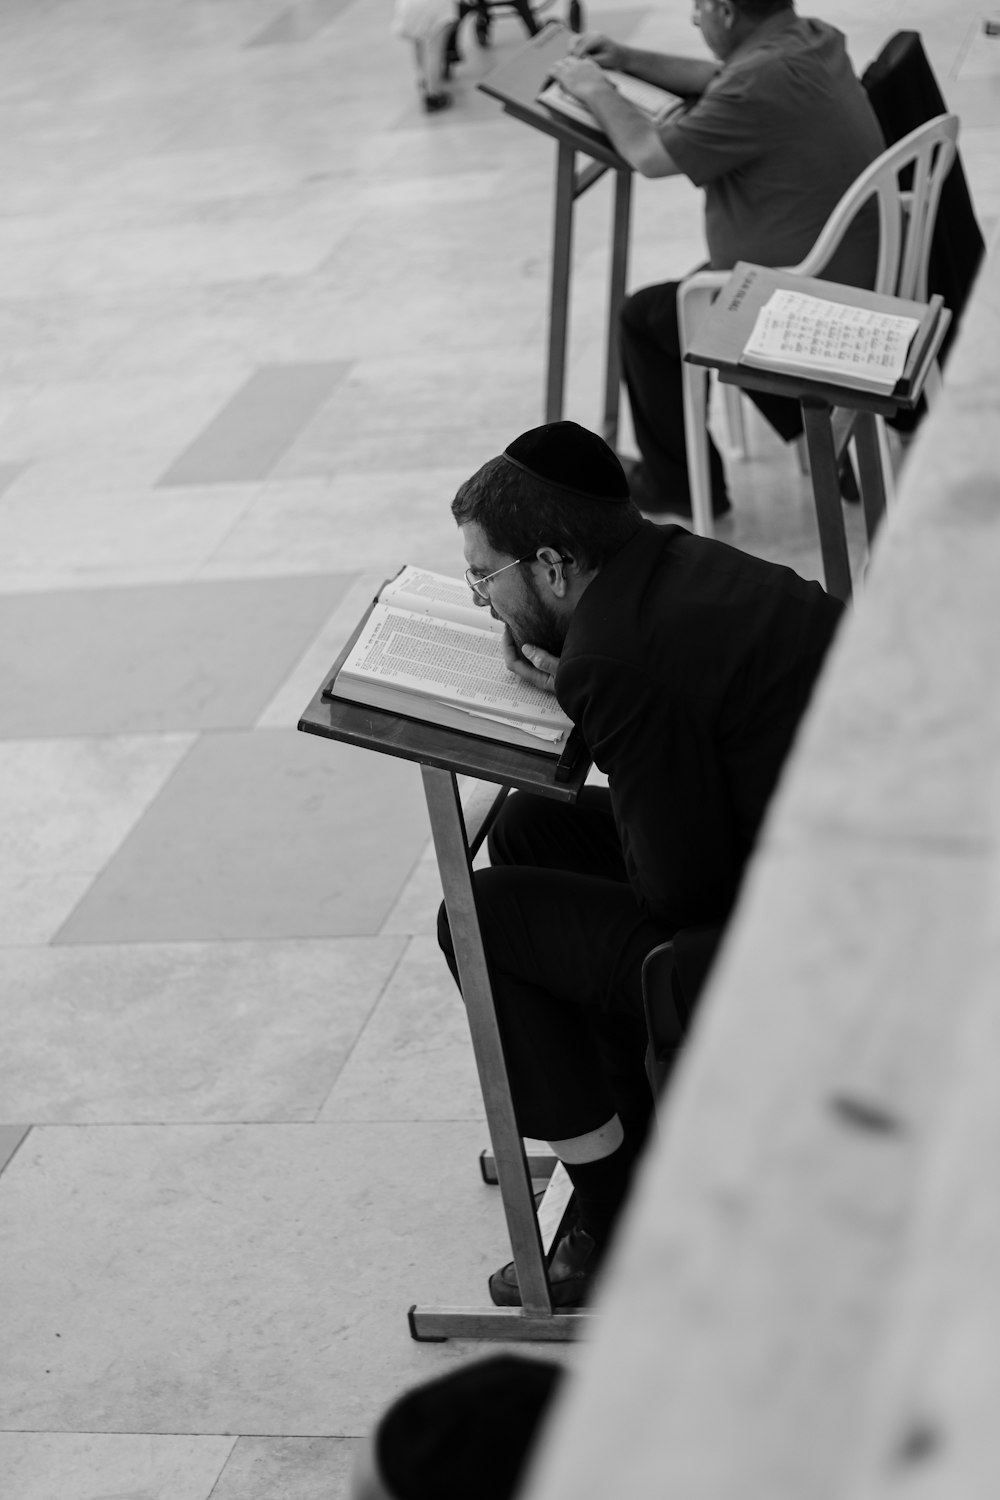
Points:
x=422 y=20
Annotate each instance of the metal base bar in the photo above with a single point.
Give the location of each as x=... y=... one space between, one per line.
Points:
x=435 y=1324
x=540 y=1168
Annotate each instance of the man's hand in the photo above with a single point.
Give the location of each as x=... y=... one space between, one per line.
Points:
x=581 y=77
x=533 y=665
x=605 y=52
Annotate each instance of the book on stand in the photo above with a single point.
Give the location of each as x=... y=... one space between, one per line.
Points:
x=771 y=319
x=656 y=103
x=425 y=651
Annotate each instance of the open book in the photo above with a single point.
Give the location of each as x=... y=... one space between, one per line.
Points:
x=842 y=337
x=654 y=102
x=797 y=332
x=426 y=651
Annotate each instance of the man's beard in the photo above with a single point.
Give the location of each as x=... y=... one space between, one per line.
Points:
x=537 y=624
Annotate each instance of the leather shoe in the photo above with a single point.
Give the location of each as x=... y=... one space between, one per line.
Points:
x=570 y=1273
x=848 y=481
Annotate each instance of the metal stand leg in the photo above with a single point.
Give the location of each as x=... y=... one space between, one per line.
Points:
x=826 y=494
x=540 y=1168
x=616 y=296
x=870 y=473
x=562 y=244
x=535 y=1319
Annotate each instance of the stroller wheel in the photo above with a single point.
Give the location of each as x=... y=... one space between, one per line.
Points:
x=575 y=15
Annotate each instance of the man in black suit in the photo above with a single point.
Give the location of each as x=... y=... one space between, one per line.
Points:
x=686 y=665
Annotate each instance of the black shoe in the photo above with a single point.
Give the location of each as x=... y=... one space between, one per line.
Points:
x=652 y=503
x=570 y=1273
x=434 y=102
x=848 y=481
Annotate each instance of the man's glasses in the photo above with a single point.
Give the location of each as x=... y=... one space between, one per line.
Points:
x=478 y=585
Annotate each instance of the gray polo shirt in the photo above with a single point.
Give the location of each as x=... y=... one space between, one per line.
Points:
x=779 y=134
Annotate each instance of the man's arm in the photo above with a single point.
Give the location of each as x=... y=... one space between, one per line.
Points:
x=531 y=664
x=632 y=133
x=687 y=76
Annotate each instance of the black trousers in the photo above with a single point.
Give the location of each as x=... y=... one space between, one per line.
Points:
x=649 y=339
x=565 y=941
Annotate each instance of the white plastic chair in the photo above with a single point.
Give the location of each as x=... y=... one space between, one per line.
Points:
x=906 y=227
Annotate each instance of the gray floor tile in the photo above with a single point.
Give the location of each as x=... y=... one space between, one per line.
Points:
x=135 y=660
x=11 y=1137
x=65 y=807
x=288 y=1469
x=299 y=23
x=234 y=1279
x=252 y=431
x=110 y=1466
x=273 y=834
x=414 y=1060
x=415 y=913
x=9 y=473
x=142 y=1033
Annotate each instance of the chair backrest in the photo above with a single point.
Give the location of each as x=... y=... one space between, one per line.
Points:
x=906 y=216
x=904 y=92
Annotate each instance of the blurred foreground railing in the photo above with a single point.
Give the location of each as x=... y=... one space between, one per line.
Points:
x=805 y=1298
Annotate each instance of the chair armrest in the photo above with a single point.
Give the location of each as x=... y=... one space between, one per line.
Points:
x=695 y=295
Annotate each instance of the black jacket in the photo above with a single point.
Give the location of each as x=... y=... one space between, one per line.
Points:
x=687 y=666
x=904 y=94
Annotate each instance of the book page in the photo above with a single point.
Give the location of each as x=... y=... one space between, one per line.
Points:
x=455 y=663
x=655 y=102
x=807 y=334
x=649 y=97
x=437 y=594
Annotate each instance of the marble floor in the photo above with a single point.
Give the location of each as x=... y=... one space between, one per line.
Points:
x=260 y=315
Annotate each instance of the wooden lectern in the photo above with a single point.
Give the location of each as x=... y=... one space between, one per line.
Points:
x=517 y=83
x=443 y=755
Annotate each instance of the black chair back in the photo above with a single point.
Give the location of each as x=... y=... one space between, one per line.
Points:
x=904 y=93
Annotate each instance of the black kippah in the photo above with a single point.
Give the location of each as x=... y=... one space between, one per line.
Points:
x=467 y=1433
x=568 y=457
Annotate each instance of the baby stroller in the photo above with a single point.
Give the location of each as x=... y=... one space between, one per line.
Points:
x=485 y=10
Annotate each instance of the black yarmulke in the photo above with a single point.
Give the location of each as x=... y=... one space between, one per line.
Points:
x=569 y=457
x=466 y=1434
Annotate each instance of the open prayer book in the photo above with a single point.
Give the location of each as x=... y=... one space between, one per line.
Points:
x=837 y=335
x=800 y=333
x=654 y=102
x=426 y=651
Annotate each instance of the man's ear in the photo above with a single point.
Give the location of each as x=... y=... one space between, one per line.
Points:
x=555 y=569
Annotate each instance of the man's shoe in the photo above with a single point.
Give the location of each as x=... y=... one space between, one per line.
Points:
x=848 y=481
x=570 y=1273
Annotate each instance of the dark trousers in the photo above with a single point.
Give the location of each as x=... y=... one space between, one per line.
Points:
x=565 y=941
x=652 y=367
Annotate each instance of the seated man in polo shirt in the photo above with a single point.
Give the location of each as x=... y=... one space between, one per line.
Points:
x=774 y=132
